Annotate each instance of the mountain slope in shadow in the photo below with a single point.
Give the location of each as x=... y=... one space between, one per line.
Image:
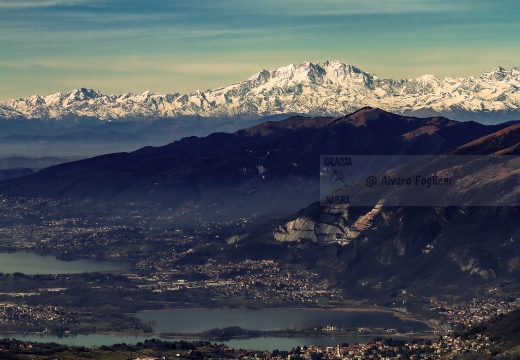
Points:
x=269 y=167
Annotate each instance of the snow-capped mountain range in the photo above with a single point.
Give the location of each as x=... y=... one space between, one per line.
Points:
x=329 y=88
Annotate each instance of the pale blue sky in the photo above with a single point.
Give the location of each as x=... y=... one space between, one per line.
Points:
x=166 y=46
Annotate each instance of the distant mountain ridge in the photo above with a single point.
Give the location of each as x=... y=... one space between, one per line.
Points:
x=317 y=89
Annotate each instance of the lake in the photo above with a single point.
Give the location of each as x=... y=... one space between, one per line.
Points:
x=197 y=320
x=33 y=264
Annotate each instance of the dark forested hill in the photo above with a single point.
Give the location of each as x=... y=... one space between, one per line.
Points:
x=269 y=167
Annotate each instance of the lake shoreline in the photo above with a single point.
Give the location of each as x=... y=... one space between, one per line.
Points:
x=231 y=325
x=282 y=333
x=297 y=334
x=285 y=333
x=31 y=263
x=354 y=309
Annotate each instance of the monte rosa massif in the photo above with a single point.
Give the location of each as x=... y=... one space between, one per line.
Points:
x=329 y=88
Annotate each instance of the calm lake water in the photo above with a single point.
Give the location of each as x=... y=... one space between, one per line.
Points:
x=198 y=320
x=33 y=264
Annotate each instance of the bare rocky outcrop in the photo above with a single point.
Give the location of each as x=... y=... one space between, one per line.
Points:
x=334 y=225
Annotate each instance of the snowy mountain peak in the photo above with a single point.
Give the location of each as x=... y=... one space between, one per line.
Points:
x=82 y=94
x=498 y=70
x=428 y=78
x=285 y=71
x=262 y=76
x=498 y=74
x=87 y=92
x=328 y=88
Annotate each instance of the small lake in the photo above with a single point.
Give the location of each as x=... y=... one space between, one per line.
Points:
x=198 y=320
x=32 y=264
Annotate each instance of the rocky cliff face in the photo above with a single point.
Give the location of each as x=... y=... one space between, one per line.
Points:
x=334 y=224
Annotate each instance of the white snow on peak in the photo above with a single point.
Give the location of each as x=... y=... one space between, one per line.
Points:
x=329 y=88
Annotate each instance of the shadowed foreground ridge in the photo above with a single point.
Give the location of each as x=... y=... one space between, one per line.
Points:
x=234 y=170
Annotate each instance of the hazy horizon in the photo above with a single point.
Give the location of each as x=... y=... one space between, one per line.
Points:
x=165 y=47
